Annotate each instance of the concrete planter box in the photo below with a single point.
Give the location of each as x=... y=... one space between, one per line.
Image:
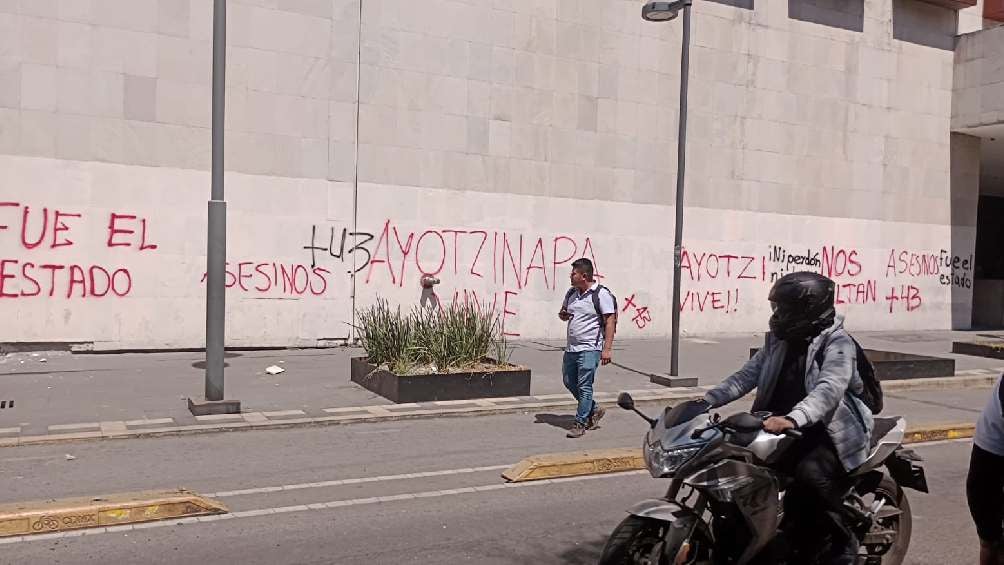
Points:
x=440 y=386
x=893 y=365
x=978 y=349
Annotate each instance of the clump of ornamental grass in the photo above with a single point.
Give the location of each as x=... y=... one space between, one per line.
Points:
x=461 y=337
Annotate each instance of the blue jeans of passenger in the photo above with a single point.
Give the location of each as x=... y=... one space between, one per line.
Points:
x=578 y=372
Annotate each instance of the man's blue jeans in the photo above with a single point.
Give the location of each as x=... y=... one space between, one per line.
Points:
x=578 y=372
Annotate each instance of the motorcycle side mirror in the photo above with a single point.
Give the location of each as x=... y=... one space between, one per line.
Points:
x=744 y=422
x=625 y=401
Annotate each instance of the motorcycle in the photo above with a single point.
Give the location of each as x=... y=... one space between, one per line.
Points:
x=725 y=506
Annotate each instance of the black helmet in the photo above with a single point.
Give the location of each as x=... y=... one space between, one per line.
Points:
x=803 y=306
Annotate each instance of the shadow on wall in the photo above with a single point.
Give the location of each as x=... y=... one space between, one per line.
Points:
x=924 y=24
x=965 y=190
x=744 y=4
x=844 y=14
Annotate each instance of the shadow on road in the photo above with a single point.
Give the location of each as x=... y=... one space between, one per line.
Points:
x=587 y=552
x=227 y=355
x=563 y=421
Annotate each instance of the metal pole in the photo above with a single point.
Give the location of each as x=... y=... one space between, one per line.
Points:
x=681 y=159
x=216 y=253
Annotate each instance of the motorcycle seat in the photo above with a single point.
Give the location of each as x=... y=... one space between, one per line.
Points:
x=881 y=427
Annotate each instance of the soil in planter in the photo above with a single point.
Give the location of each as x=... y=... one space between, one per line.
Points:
x=430 y=369
x=992 y=349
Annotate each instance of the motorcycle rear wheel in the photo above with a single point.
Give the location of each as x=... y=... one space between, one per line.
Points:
x=903 y=523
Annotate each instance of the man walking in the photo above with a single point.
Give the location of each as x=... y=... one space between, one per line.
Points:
x=985 y=483
x=590 y=310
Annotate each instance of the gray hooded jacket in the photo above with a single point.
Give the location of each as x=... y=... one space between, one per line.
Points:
x=832 y=390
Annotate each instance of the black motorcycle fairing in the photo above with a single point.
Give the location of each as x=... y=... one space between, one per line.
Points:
x=903 y=470
x=682 y=521
x=661 y=509
x=754 y=491
x=684 y=412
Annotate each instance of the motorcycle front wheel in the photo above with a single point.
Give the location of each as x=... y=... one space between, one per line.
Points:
x=644 y=541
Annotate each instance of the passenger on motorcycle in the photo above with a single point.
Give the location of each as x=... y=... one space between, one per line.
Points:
x=805 y=376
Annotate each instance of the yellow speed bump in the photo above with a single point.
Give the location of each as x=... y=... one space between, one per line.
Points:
x=576 y=463
x=600 y=461
x=50 y=516
x=939 y=433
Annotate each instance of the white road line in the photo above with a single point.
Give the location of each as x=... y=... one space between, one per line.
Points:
x=219 y=417
x=116 y=427
x=284 y=413
x=355 y=481
x=151 y=422
x=69 y=427
x=320 y=506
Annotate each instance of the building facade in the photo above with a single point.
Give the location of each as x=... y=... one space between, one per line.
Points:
x=371 y=142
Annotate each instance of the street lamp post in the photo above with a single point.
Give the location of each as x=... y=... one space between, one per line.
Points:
x=664 y=12
x=216 y=251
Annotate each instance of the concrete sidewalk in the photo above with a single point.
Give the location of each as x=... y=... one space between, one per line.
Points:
x=62 y=392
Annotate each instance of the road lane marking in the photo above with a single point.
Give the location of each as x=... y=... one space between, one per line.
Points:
x=319 y=506
x=355 y=481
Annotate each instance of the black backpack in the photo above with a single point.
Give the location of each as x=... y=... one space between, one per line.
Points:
x=871 y=392
x=596 y=302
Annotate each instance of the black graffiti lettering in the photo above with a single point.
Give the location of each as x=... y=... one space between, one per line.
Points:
x=338 y=251
x=341 y=248
x=361 y=246
x=313 y=246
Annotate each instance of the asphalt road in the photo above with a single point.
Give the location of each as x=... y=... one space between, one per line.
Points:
x=443 y=499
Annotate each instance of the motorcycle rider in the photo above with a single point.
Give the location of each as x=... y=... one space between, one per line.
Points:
x=806 y=377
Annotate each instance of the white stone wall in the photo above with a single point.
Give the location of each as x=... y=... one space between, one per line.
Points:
x=979 y=80
x=971 y=19
x=817 y=127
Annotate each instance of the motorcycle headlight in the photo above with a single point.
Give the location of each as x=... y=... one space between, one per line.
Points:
x=662 y=462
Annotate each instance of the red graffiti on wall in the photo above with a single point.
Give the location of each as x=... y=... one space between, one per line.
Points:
x=22 y=280
x=470 y=297
x=254 y=277
x=906 y=297
x=47 y=229
x=857 y=292
x=842 y=264
x=512 y=260
x=642 y=316
x=724 y=301
x=838 y=262
x=704 y=266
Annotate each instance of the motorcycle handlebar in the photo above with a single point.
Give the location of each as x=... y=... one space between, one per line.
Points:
x=792 y=433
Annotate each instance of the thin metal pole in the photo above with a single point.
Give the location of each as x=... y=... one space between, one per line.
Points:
x=355 y=174
x=681 y=159
x=216 y=252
